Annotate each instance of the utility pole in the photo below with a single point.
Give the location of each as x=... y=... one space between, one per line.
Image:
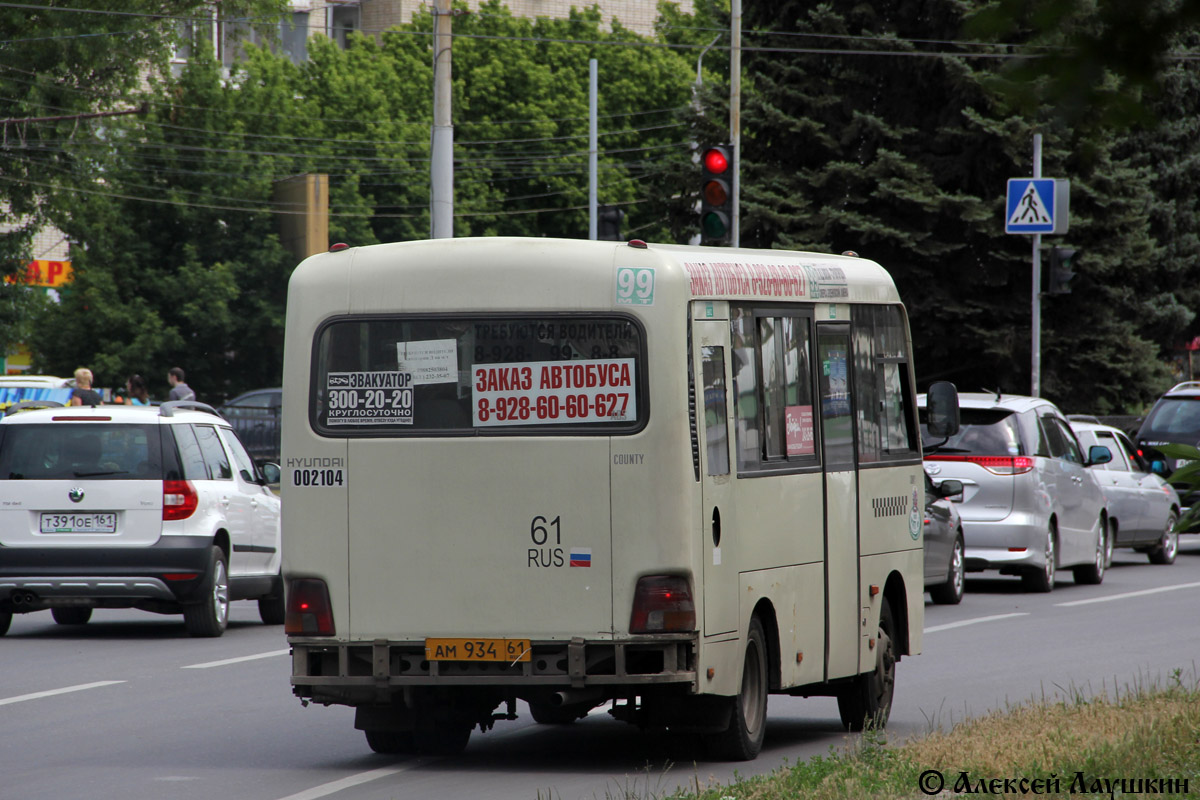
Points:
x=441 y=151
x=735 y=114
x=593 y=145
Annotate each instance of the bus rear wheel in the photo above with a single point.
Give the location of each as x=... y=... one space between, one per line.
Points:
x=390 y=742
x=447 y=738
x=867 y=702
x=743 y=739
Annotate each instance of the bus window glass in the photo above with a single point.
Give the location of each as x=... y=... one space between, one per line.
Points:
x=884 y=404
x=771 y=350
x=895 y=396
x=866 y=382
x=837 y=428
x=716 y=427
x=745 y=388
x=396 y=376
x=798 y=409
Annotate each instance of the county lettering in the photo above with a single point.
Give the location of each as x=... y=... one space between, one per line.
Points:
x=554 y=392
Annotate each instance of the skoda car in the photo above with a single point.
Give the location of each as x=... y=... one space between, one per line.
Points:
x=152 y=507
x=1030 y=503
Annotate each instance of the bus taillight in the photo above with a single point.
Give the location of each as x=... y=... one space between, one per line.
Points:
x=309 y=612
x=662 y=604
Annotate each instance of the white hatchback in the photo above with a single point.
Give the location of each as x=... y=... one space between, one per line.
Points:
x=158 y=508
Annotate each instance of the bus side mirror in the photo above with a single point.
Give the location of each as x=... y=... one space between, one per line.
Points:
x=941 y=408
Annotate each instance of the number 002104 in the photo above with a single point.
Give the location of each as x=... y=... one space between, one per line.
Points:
x=477 y=649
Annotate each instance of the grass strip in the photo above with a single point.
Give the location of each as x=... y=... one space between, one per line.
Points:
x=1080 y=746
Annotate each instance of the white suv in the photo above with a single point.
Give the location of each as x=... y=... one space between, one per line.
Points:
x=158 y=508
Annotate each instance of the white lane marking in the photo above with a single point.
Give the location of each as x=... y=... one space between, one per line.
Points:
x=208 y=664
x=965 y=622
x=333 y=787
x=53 y=692
x=1141 y=593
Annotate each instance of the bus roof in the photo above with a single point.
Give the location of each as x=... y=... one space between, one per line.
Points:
x=534 y=264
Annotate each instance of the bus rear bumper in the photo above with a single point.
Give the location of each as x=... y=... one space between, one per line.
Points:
x=340 y=672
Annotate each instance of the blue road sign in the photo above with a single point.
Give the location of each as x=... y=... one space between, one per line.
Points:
x=1037 y=205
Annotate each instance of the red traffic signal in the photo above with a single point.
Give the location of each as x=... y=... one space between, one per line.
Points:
x=715 y=194
x=716 y=160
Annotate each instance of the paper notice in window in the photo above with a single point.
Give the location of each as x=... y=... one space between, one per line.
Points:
x=799 y=420
x=430 y=361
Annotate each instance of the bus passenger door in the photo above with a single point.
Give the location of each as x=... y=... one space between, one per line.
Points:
x=842 y=628
x=711 y=362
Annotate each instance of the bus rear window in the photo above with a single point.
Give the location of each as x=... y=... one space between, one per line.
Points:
x=460 y=375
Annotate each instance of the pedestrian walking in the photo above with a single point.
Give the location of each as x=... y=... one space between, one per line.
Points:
x=83 y=394
x=136 y=390
x=179 y=389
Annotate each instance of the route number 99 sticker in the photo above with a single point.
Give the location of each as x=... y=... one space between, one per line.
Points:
x=635 y=286
x=369 y=398
x=554 y=392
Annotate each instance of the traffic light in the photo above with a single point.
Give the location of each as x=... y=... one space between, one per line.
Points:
x=608 y=223
x=1060 y=275
x=716 y=194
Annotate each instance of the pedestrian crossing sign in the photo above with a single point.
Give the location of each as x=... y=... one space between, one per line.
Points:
x=1037 y=205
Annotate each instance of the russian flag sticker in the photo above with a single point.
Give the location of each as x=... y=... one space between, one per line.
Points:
x=581 y=556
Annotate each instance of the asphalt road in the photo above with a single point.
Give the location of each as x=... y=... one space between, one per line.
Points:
x=129 y=707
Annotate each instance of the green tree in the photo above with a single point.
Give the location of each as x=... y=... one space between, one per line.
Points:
x=177 y=259
x=178 y=262
x=841 y=152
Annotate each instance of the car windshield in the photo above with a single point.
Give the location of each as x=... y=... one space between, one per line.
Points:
x=1173 y=419
x=983 y=432
x=76 y=450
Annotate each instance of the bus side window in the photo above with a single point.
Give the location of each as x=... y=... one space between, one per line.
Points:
x=771 y=349
x=798 y=390
x=885 y=403
x=745 y=388
x=716 y=426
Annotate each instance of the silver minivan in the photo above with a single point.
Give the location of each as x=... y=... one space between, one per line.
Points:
x=1030 y=505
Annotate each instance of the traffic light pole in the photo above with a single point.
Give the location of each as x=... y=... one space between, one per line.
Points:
x=441 y=155
x=593 y=147
x=735 y=114
x=1035 y=345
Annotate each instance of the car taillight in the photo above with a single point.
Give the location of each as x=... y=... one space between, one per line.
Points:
x=179 y=499
x=999 y=465
x=309 y=612
x=662 y=604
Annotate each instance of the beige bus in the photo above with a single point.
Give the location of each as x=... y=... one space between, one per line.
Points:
x=671 y=480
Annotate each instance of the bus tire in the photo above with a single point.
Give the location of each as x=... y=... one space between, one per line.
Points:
x=447 y=738
x=546 y=714
x=5 y=621
x=743 y=739
x=210 y=616
x=867 y=702
x=71 y=615
x=390 y=742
